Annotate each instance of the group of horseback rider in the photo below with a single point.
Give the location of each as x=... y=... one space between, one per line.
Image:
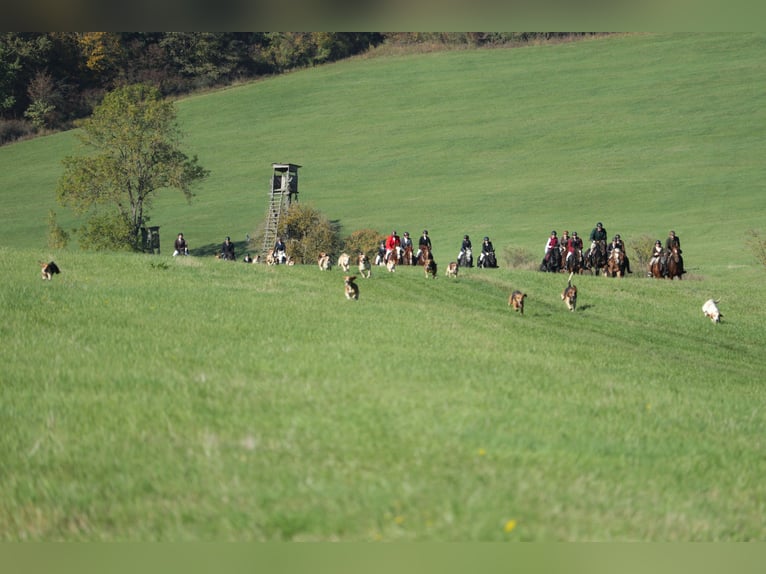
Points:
x=403 y=245
x=660 y=254
x=600 y=252
x=486 y=257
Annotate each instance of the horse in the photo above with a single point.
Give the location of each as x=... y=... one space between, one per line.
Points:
x=465 y=259
x=595 y=257
x=488 y=260
x=615 y=265
x=657 y=268
x=406 y=256
x=575 y=263
x=424 y=255
x=674 y=264
x=552 y=261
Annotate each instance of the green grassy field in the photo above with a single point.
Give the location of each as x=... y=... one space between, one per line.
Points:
x=151 y=398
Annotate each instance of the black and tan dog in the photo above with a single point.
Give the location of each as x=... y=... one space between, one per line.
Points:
x=48 y=270
x=569 y=296
x=350 y=288
x=430 y=267
x=516 y=300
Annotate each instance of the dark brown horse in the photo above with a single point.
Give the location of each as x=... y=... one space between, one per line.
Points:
x=574 y=263
x=675 y=269
x=595 y=257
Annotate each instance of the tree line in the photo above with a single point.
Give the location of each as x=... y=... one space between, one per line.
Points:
x=48 y=80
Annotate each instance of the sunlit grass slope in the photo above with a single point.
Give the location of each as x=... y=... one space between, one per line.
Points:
x=151 y=398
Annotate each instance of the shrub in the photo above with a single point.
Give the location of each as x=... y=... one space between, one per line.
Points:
x=758 y=245
x=365 y=240
x=307 y=232
x=57 y=237
x=518 y=258
x=642 y=248
x=11 y=130
x=107 y=232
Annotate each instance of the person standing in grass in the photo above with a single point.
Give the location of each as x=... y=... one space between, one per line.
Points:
x=181 y=247
x=280 y=251
x=227 y=249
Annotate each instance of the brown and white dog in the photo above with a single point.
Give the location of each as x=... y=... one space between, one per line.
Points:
x=710 y=309
x=363 y=263
x=430 y=268
x=324 y=261
x=48 y=270
x=516 y=300
x=350 y=288
x=270 y=259
x=569 y=296
x=391 y=263
x=344 y=262
x=452 y=269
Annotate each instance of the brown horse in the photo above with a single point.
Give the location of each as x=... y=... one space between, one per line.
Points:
x=407 y=255
x=675 y=269
x=615 y=264
x=425 y=256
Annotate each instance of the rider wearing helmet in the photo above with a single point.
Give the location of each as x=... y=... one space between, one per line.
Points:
x=657 y=255
x=424 y=241
x=598 y=233
x=618 y=243
x=487 y=257
x=465 y=250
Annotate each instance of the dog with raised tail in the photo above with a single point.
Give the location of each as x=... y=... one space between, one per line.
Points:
x=710 y=309
x=516 y=300
x=350 y=288
x=48 y=270
x=569 y=295
x=452 y=269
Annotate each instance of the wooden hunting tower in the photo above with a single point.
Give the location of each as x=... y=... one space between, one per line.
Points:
x=283 y=191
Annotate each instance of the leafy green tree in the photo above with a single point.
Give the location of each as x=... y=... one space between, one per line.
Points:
x=134 y=141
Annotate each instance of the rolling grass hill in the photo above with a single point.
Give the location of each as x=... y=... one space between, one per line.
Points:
x=152 y=398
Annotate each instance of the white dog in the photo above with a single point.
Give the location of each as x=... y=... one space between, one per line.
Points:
x=710 y=309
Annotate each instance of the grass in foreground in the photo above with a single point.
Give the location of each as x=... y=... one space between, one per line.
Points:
x=151 y=398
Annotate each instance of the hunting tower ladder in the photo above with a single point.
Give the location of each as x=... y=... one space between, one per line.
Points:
x=283 y=190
